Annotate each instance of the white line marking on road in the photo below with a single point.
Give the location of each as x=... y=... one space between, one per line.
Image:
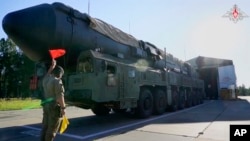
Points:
x=31 y=133
x=123 y=127
x=64 y=134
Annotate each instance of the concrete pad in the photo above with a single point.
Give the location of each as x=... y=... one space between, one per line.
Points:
x=145 y=136
x=207 y=123
x=183 y=129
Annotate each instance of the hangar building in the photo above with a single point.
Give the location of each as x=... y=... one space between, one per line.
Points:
x=219 y=76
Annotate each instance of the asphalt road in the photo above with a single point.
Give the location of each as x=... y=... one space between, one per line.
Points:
x=207 y=122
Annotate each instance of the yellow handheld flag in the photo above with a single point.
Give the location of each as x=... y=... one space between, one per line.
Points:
x=64 y=124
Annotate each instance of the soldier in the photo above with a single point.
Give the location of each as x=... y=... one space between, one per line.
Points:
x=53 y=105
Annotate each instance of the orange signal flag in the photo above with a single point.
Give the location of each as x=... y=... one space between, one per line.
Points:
x=64 y=124
x=55 y=53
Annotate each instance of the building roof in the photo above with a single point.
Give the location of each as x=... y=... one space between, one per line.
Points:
x=202 y=62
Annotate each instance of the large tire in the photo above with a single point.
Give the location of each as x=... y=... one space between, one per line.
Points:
x=160 y=102
x=181 y=102
x=174 y=105
x=145 y=104
x=100 y=110
x=189 y=99
x=200 y=97
x=194 y=97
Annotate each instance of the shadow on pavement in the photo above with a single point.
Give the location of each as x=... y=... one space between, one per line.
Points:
x=93 y=127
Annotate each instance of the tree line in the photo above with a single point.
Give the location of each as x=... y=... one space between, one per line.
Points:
x=15 y=71
x=243 y=91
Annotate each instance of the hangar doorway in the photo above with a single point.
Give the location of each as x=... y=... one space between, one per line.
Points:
x=210 y=77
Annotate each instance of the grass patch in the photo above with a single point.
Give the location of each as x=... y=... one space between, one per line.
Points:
x=19 y=104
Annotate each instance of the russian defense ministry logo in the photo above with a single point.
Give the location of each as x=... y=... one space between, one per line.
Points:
x=235 y=14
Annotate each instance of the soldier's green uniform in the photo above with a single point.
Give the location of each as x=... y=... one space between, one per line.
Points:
x=53 y=88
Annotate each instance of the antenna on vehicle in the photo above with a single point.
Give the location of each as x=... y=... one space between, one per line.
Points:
x=185 y=52
x=165 y=59
x=88 y=6
x=129 y=27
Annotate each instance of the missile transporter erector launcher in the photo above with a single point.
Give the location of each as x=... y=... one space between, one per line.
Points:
x=106 y=68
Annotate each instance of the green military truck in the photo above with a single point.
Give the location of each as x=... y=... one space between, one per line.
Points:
x=103 y=82
x=106 y=69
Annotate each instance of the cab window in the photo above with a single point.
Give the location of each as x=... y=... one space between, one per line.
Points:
x=111 y=69
x=111 y=77
x=85 y=65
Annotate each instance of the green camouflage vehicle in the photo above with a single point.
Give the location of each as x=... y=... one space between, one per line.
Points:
x=106 y=69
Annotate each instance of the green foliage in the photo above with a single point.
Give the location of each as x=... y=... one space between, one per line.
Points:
x=243 y=91
x=15 y=69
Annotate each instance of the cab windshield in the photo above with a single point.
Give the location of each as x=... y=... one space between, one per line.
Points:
x=85 y=65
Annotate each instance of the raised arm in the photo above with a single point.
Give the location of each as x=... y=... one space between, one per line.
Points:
x=52 y=66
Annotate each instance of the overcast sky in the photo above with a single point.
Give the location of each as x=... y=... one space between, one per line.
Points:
x=187 y=28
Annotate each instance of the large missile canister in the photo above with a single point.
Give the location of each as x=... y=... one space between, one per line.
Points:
x=41 y=28
x=38 y=29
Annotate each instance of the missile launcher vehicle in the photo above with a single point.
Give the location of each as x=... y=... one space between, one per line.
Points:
x=105 y=67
